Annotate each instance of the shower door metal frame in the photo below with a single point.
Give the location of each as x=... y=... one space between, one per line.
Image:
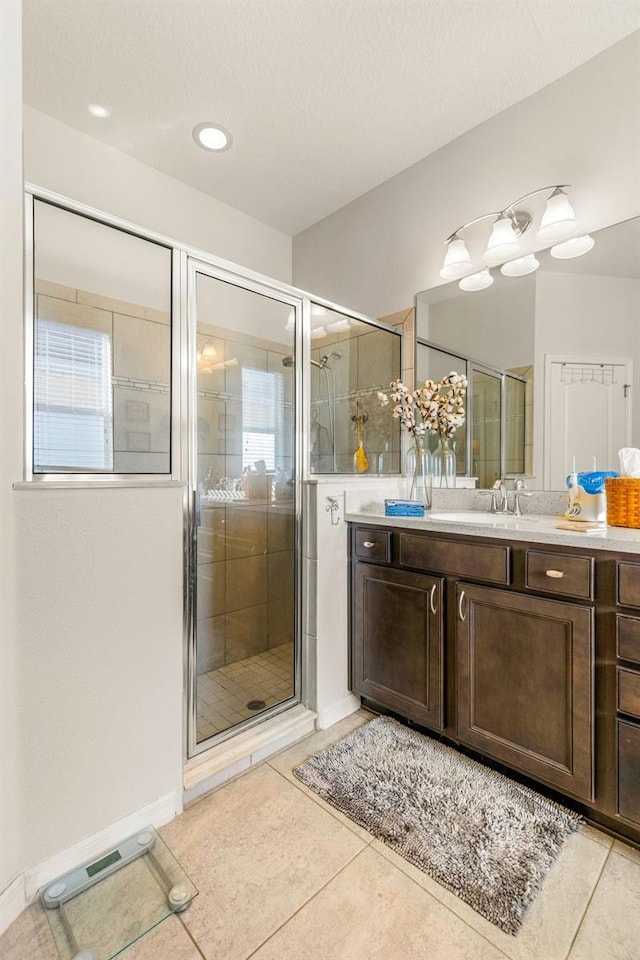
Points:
x=263 y=286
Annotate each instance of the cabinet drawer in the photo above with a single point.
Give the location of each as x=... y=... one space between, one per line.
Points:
x=629 y=584
x=629 y=770
x=628 y=634
x=481 y=561
x=373 y=545
x=629 y=692
x=560 y=574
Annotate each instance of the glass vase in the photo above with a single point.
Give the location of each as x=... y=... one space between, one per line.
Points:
x=443 y=463
x=419 y=472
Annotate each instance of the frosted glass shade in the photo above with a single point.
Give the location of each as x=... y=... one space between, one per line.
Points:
x=318 y=332
x=476 y=281
x=558 y=220
x=573 y=248
x=457 y=261
x=503 y=242
x=520 y=267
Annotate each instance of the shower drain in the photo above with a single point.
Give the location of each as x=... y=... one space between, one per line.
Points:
x=256 y=705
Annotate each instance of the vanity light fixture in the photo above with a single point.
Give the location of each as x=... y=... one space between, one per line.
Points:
x=558 y=220
x=575 y=247
x=503 y=242
x=97 y=110
x=476 y=281
x=318 y=332
x=520 y=267
x=457 y=260
x=212 y=137
x=558 y=223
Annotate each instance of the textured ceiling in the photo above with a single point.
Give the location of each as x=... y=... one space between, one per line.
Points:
x=325 y=99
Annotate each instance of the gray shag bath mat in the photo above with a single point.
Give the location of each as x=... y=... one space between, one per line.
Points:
x=486 y=838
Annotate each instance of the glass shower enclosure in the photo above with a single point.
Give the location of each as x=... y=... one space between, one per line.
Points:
x=245 y=504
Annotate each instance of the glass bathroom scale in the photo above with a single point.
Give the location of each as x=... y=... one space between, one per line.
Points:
x=99 y=909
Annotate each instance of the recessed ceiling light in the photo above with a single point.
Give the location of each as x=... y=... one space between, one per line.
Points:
x=96 y=110
x=211 y=136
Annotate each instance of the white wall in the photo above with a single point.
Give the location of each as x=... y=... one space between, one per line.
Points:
x=91 y=580
x=584 y=316
x=69 y=162
x=11 y=812
x=376 y=253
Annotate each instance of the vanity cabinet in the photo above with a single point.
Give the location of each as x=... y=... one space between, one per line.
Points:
x=397 y=641
x=527 y=654
x=524 y=684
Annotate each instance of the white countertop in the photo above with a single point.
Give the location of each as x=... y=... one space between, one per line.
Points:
x=536 y=528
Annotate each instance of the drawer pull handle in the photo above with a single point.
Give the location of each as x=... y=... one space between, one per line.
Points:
x=556 y=574
x=432 y=597
x=369 y=543
x=462 y=615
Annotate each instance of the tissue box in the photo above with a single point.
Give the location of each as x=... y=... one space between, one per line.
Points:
x=403 y=508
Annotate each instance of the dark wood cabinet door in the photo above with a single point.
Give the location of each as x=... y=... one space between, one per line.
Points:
x=525 y=677
x=397 y=641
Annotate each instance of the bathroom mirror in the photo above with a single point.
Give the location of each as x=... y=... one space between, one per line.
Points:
x=571 y=332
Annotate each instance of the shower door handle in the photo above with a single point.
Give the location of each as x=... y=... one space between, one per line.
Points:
x=197 y=516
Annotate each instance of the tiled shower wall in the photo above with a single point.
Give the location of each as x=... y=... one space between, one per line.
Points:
x=370 y=359
x=245 y=547
x=141 y=354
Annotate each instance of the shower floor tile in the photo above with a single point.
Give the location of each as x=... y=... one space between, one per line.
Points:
x=223 y=694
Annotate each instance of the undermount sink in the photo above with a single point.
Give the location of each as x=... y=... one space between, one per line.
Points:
x=486 y=519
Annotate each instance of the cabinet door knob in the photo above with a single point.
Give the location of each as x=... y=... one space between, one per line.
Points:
x=368 y=543
x=556 y=574
x=460 y=613
x=432 y=597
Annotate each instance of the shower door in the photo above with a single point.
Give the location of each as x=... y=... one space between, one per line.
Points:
x=244 y=511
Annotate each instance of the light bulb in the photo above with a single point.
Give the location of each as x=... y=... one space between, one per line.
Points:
x=457 y=261
x=520 y=267
x=209 y=350
x=503 y=242
x=476 y=281
x=558 y=220
x=573 y=248
x=211 y=136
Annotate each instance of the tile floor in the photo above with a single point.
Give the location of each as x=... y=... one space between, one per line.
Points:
x=283 y=876
x=223 y=694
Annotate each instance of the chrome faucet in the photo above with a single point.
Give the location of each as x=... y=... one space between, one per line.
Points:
x=500 y=497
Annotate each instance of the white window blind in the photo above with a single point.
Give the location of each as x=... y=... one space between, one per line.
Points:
x=73 y=411
x=262 y=417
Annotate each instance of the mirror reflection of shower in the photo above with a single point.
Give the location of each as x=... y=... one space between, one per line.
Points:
x=330 y=398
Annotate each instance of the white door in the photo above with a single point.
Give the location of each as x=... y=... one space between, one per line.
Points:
x=588 y=408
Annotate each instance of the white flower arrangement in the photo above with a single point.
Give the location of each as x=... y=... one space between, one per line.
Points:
x=437 y=407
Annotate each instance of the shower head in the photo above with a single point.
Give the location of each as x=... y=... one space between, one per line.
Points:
x=324 y=361
x=289 y=361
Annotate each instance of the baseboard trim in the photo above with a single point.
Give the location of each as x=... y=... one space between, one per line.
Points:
x=155 y=813
x=12 y=903
x=334 y=712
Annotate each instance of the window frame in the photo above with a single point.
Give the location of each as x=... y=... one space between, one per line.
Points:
x=68 y=478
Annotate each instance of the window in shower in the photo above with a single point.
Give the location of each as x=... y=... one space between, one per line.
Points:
x=101 y=348
x=351 y=361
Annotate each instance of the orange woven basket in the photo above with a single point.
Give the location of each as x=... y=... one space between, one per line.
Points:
x=623 y=501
